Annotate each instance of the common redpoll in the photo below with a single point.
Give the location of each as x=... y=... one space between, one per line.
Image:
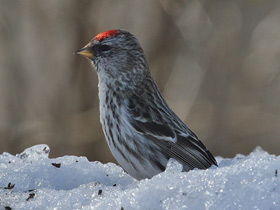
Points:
x=143 y=133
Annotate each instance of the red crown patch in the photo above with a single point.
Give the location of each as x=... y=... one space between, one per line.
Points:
x=106 y=34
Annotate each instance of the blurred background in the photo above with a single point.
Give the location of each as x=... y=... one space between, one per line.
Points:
x=216 y=62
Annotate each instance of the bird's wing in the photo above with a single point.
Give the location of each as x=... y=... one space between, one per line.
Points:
x=191 y=152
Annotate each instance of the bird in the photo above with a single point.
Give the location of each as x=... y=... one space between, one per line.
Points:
x=141 y=130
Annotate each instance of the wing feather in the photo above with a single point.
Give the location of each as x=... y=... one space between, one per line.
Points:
x=189 y=151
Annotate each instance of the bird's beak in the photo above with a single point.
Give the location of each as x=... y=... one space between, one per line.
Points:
x=86 y=51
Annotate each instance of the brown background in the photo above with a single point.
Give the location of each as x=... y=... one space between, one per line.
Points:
x=217 y=63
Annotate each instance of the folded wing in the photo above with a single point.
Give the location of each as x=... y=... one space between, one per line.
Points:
x=176 y=144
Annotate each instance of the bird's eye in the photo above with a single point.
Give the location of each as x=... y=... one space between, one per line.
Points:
x=105 y=48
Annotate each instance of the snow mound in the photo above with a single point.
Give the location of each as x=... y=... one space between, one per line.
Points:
x=31 y=180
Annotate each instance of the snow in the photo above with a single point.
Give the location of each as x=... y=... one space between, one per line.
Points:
x=32 y=180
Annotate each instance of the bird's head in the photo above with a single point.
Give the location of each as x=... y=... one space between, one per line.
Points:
x=116 y=54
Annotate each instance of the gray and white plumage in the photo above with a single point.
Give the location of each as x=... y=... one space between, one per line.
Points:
x=143 y=133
